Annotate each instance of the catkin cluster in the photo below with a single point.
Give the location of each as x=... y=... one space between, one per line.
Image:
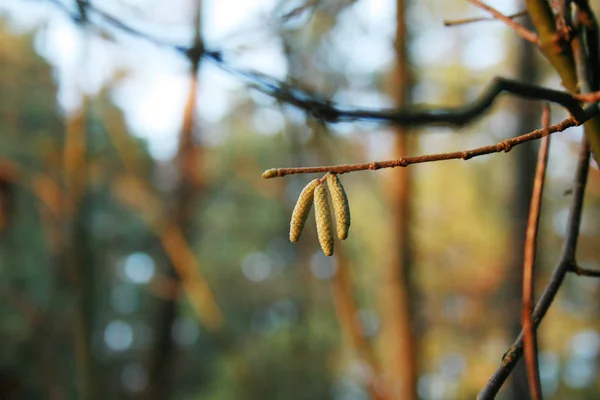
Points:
x=316 y=192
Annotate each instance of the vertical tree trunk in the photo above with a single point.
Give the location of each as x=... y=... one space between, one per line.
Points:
x=528 y=120
x=399 y=344
x=75 y=247
x=179 y=221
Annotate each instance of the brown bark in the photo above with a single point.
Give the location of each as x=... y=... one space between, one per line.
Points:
x=398 y=336
x=184 y=196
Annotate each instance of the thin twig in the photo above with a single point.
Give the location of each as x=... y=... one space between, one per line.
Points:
x=530 y=340
x=593 y=273
x=518 y=28
x=564 y=265
x=465 y=21
x=505 y=146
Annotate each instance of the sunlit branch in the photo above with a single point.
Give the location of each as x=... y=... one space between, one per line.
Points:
x=530 y=340
x=504 y=146
x=564 y=265
x=587 y=81
x=465 y=21
x=515 y=26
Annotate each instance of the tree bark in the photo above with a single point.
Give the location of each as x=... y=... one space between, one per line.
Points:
x=399 y=343
x=184 y=196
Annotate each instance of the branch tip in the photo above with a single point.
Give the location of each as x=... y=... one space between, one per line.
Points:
x=271 y=173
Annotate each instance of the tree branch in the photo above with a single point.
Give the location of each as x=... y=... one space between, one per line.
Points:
x=541 y=11
x=480 y=19
x=505 y=146
x=458 y=116
x=589 y=25
x=556 y=50
x=530 y=340
x=585 y=271
x=564 y=265
x=515 y=26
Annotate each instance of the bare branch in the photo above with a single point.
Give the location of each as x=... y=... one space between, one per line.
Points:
x=458 y=116
x=585 y=271
x=587 y=76
x=530 y=340
x=464 y=21
x=564 y=265
x=505 y=146
x=518 y=28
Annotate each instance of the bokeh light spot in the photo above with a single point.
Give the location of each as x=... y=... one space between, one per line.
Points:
x=134 y=377
x=118 y=335
x=256 y=267
x=139 y=268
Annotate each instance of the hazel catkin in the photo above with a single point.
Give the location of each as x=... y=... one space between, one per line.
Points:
x=341 y=207
x=323 y=217
x=301 y=210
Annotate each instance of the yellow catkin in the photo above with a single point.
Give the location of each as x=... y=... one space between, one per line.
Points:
x=323 y=217
x=341 y=207
x=301 y=210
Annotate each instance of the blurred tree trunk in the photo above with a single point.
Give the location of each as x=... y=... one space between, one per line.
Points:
x=184 y=196
x=398 y=339
x=76 y=245
x=528 y=118
x=75 y=251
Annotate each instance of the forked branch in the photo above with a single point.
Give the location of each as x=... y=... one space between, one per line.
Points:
x=594 y=273
x=564 y=265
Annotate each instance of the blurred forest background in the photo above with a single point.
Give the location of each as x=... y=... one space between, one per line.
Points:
x=143 y=256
